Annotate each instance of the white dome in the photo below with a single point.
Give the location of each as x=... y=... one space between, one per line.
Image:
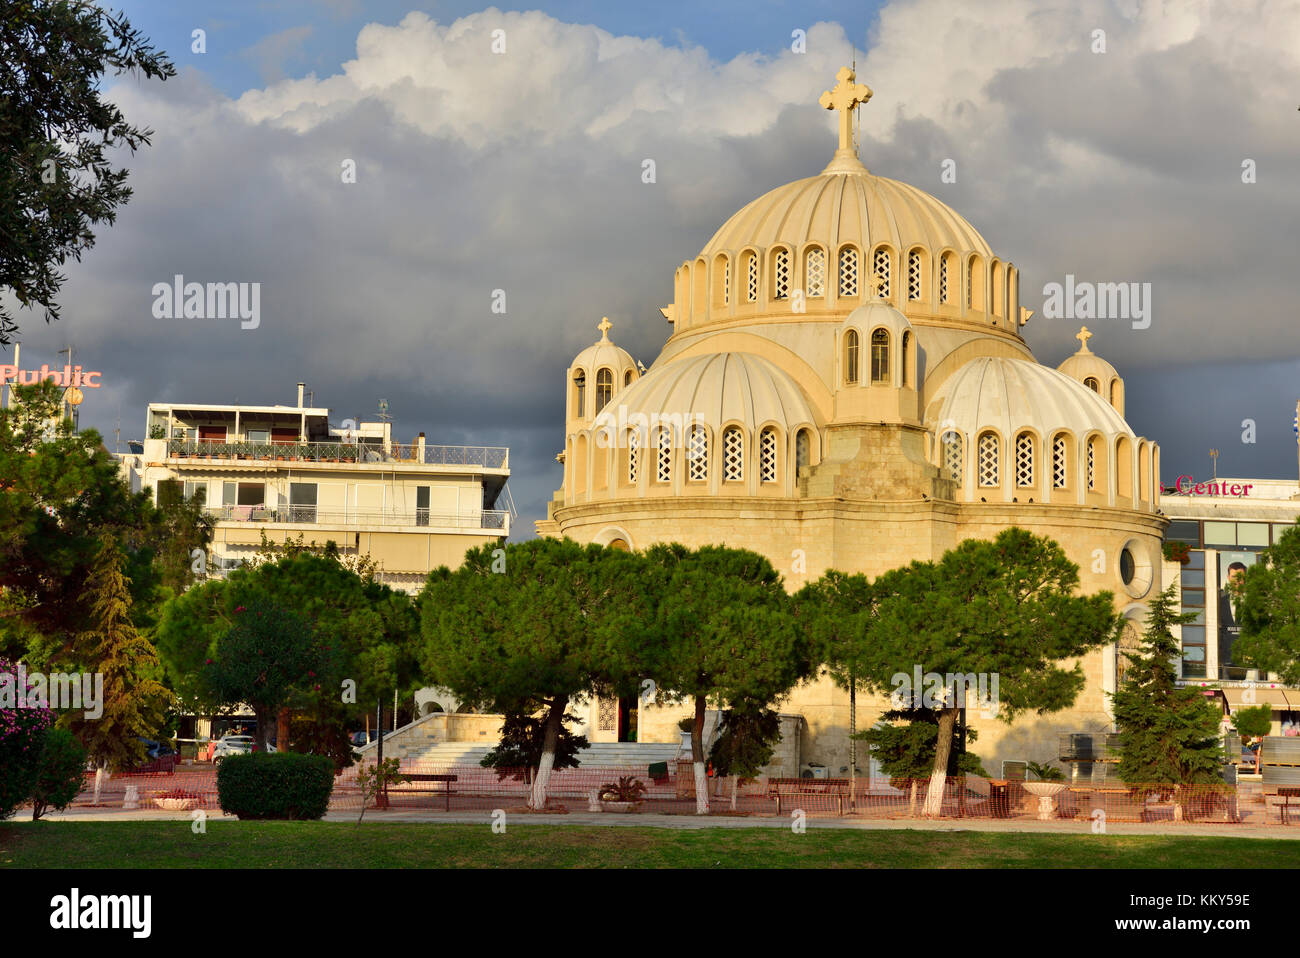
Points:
x=715 y=389
x=603 y=354
x=1009 y=395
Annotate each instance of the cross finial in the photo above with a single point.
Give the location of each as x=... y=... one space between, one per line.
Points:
x=1083 y=336
x=844 y=96
x=604 y=326
x=876 y=283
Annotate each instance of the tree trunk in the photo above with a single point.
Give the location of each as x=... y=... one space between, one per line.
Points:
x=911 y=805
x=265 y=722
x=697 y=756
x=735 y=787
x=553 y=719
x=939 y=777
x=282 y=730
x=1178 y=803
x=99 y=781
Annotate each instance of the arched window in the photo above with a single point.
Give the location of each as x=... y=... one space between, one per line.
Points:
x=945 y=271
x=632 y=450
x=579 y=393
x=1092 y=384
x=880 y=266
x=988 y=460
x=721 y=281
x=802 y=450
x=815 y=272
x=733 y=454
x=952 y=464
x=848 y=273
x=914 y=274
x=1024 y=460
x=767 y=456
x=781 y=274
x=664 y=456
x=999 y=290
x=851 y=357
x=751 y=278
x=904 y=355
x=1114 y=393
x=627 y=378
x=697 y=454
x=1060 y=462
x=879 y=356
x=1092 y=463
x=604 y=388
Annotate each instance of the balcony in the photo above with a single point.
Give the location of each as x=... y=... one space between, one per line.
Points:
x=487 y=519
x=486 y=457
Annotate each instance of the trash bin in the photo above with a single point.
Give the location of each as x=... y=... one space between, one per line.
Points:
x=1000 y=799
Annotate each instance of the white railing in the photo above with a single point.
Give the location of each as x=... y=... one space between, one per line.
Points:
x=487 y=457
x=494 y=519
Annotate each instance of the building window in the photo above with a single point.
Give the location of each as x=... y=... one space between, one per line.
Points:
x=951 y=443
x=988 y=460
x=751 y=280
x=722 y=281
x=1024 y=460
x=302 y=501
x=1193 y=599
x=1092 y=384
x=196 y=490
x=421 y=505
x=697 y=454
x=664 y=456
x=902 y=357
x=631 y=455
x=851 y=357
x=1059 y=462
x=879 y=357
x=943 y=280
x=1092 y=464
x=579 y=393
x=604 y=388
x=848 y=273
x=914 y=274
x=815 y=272
x=726 y=282
x=627 y=378
x=881 y=267
x=733 y=455
x=781 y=274
x=767 y=456
x=802 y=450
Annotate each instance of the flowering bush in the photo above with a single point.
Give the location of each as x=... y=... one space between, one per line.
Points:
x=22 y=740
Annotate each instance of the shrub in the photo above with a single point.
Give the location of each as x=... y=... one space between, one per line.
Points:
x=284 y=785
x=61 y=774
x=22 y=736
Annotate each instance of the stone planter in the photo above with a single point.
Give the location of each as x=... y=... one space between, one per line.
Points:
x=176 y=804
x=624 y=807
x=1046 y=792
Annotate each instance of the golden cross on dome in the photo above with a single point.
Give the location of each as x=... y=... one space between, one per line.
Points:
x=604 y=326
x=1083 y=336
x=876 y=283
x=844 y=96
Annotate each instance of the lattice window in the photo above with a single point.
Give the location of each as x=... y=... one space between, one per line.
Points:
x=664 y=457
x=815 y=268
x=943 y=280
x=988 y=460
x=751 y=283
x=970 y=282
x=881 y=267
x=604 y=388
x=781 y=274
x=851 y=350
x=607 y=714
x=726 y=282
x=1024 y=459
x=902 y=357
x=848 y=272
x=1059 y=452
x=632 y=450
x=767 y=456
x=697 y=453
x=802 y=450
x=733 y=455
x=1092 y=464
x=914 y=274
x=952 y=455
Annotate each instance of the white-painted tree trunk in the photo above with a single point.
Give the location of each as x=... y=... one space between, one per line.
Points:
x=934 y=795
x=697 y=755
x=100 y=778
x=538 y=800
x=939 y=777
x=554 y=719
x=735 y=787
x=911 y=805
x=701 y=790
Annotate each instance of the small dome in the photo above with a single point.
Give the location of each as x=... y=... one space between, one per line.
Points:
x=604 y=354
x=715 y=389
x=1009 y=395
x=1085 y=364
x=878 y=313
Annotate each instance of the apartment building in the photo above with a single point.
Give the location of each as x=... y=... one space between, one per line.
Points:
x=285 y=471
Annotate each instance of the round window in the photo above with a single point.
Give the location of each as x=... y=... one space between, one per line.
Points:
x=1136 y=571
x=1127 y=566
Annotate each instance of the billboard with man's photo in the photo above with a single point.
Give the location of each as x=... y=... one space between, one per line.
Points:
x=1232 y=565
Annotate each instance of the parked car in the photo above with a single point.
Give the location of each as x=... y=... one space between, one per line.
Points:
x=232 y=745
x=160 y=758
x=360 y=739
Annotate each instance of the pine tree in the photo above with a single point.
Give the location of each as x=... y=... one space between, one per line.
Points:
x=1168 y=735
x=134 y=699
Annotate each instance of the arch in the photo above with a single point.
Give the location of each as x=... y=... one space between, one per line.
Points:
x=915 y=275
x=627 y=378
x=1091 y=383
x=750 y=259
x=1013 y=296
x=632 y=443
x=1124 y=467
x=579 y=393
x=768 y=462
x=663 y=454
x=733 y=454
x=879 y=356
x=802 y=450
x=951 y=452
x=988 y=465
x=604 y=388
x=1144 y=471
x=814 y=272
x=722 y=280
x=949 y=279
x=608 y=536
x=699 y=299
x=1025 y=460
x=697 y=453
x=1117 y=395
x=851 y=351
x=781 y=273
x=1061 y=443
x=999 y=288
x=1095 y=467
x=580 y=463
x=905 y=358
x=882 y=265
x=849 y=270
x=975 y=284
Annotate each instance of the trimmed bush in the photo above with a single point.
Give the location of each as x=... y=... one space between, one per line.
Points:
x=22 y=737
x=61 y=775
x=284 y=785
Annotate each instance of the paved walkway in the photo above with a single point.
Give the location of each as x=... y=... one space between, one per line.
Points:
x=647 y=820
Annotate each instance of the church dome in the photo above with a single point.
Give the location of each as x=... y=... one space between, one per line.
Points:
x=601 y=369
x=1095 y=373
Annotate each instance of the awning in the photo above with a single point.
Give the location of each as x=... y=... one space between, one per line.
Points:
x=1260 y=695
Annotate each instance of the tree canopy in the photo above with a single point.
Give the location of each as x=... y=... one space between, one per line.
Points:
x=1269 y=610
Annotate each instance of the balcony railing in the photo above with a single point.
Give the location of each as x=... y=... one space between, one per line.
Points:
x=486 y=519
x=488 y=457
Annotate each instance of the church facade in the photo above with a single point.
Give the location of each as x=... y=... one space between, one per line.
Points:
x=846 y=386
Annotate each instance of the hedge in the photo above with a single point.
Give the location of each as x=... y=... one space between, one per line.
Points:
x=284 y=785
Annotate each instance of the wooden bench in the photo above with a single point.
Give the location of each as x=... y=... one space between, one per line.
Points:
x=779 y=788
x=426 y=777
x=1287 y=796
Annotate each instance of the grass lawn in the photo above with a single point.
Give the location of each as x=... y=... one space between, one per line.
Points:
x=342 y=845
